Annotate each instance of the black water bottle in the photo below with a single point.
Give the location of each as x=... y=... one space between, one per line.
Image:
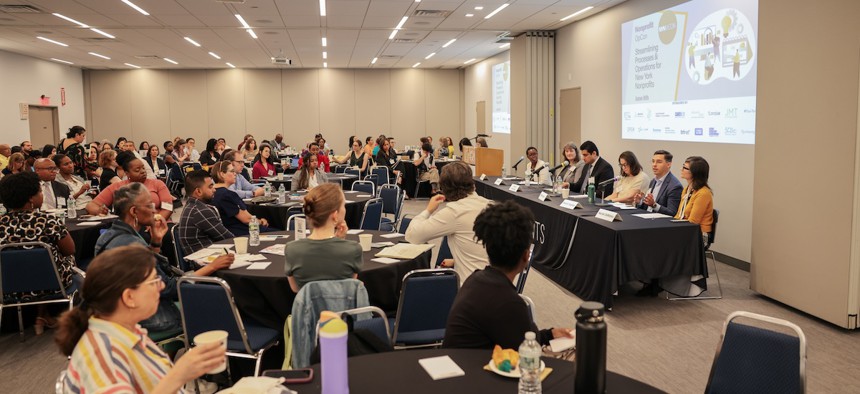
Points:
x=590 y=349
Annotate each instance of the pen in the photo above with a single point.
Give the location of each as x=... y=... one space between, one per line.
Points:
x=225 y=251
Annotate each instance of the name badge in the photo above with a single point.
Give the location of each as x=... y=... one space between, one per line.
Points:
x=608 y=215
x=61 y=202
x=543 y=196
x=161 y=172
x=167 y=207
x=499 y=182
x=390 y=161
x=483 y=177
x=515 y=188
x=570 y=204
x=271 y=172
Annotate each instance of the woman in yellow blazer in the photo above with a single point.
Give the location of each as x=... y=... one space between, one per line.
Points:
x=697 y=200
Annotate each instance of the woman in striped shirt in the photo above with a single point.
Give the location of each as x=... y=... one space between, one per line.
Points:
x=110 y=352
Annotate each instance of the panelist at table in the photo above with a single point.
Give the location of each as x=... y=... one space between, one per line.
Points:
x=664 y=191
x=595 y=167
x=632 y=182
x=542 y=176
x=573 y=170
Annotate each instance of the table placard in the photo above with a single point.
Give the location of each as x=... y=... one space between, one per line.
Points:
x=300 y=226
x=570 y=204
x=499 y=182
x=514 y=188
x=608 y=215
x=483 y=177
x=543 y=196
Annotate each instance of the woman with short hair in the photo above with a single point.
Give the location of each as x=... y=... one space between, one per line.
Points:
x=233 y=211
x=155 y=162
x=78 y=187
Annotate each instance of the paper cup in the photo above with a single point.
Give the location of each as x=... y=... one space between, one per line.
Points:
x=565 y=192
x=241 y=244
x=219 y=336
x=280 y=176
x=365 y=240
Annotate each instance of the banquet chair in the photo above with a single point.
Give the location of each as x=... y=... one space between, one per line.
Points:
x=381 y=172
x=708 y=252
x=374 y=179
x=27 y=270
x=521 y=278
x=353 y=171
x=206 y=304
x=418 y=183
x=177 y=249
x=444 y=252
x=338 y=168
x=758 y=360
x=363 y=319
x=426 y=298
x=530 y=304
x=366 y=187
x=371 y=219
x=403 y=224
x=392 y=202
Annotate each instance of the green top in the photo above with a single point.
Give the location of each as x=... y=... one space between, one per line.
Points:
x=310 y=260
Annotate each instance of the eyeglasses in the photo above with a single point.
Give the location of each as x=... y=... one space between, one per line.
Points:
x=686 y=168
x=151 y=206
x=623 y=165
x=48 y=168
x=158 y=281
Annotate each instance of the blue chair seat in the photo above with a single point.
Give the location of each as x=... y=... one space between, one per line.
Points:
x=258 y=338
x=420 y=337
x=376 y=326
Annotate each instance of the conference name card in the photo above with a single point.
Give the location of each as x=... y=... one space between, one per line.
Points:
x=483 y=177
x=543 y=196
x=570 y=204
x=608 y=215
x=515 y=188
x=498 y=182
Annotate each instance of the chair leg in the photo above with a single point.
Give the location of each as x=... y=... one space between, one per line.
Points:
x=20 y=323
x=257 y=363
x=716 y=274
x=701 y=297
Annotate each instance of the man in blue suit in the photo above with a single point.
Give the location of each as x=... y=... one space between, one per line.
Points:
x=664 y=191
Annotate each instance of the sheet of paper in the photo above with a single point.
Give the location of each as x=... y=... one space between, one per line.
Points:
x=441 y=367
x=354 y=231
x=274 y=249
x=239 y=264
x=392 y=235
x=578 y=196
x=562 y=344
x=202 y=253
x=259 y=266
x=385 y=260
x=272 y=237
x=381 y=244
x=652 y=215
x=251 y=257
x=404 y=251
x=85 y=224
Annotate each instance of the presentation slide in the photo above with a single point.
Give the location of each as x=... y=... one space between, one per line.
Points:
x=689 y=73
x=502 y=98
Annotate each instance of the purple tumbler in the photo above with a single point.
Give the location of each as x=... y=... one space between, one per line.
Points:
x=335 y=375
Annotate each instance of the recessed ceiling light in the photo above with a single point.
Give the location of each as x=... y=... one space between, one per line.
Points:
x=504 y=46
x=324 y=42
x=132 y=5
x=61 y=16
x=479 y=8
x=170 y=61
x=231 y=65
x=586 y=9
x=430 y=55
x=496 y=11
x=469 y=15
x=61 y=61
x=191 y=41
x=215 y=55
x=102 y=33
x=469 y=61
x=99 y=55
x=325 y=55
x=325 y=64
x=52 y=41
x=416 y=64
x=449 y=43
x=322 y=7
x=393 y=33
x=131 y=65
x=374 y=60
x=242 y=21
x=402 y=21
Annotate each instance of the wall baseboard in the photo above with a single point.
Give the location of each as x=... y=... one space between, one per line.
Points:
x=729 y=260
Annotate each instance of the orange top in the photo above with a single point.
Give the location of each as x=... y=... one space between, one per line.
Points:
x=697 y=208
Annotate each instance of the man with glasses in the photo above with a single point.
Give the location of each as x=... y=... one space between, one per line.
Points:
x=664 y=192
x=54 y=193
x=242 y=187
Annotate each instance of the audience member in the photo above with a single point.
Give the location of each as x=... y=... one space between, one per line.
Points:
x=143 y=148
x=385 y=157
x=105 y=146
x=194 y=155
x=23 y=222
x=73 y=147
x=595 y=167
x=210 y=156
x=278 y=143
x=108 y=350
x=426 y=167
x=17 y=164
x=199 y=225
x=5 y=154
x=309 y=175
x=79 y=188
x=55 y=194
x=155 y=163
x=445 y=148
x=664 y=191
x=325 y=254
x=633 y=180
x=233 y=211
x=109 y=166
x=369 y=146
x=323 y=160
x=181 y=152
x=134 y=169
x=242 y=187
x=356 y=158
x=464 y=142
x=26 y=148
x=264 y=163
x=250 y=149
x=488 y=311
x=537 y=170
x=48 y=151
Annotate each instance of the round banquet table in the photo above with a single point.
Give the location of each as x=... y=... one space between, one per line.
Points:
x=265 y=295
x=399 y=371
x=85 y=234
x=277 y=214
x=345 y=181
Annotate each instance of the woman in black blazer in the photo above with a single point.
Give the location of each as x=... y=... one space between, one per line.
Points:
x=153 y=160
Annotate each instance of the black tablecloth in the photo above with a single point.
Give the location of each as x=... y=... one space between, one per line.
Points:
x=276 y=214
x=85 y=237
x=399 y=372
x=265 y=295
x=591 y=257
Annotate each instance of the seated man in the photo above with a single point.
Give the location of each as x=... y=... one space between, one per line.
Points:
x=455 y=220
x=199 y=224
x=488 y=311
x=664 y=192
x=242 y=187
x=54 y=194
x=595 y=167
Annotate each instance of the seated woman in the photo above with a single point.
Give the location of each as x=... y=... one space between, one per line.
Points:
x=110 y=169
x=325 y=254
x=122 y=289
x=22 y=195
x=233 y=211
x=386 y=157
x=17 y=163
x=249 y=149
x=464 y=142
x=264 y=164
x=537 y=169
x=309 y=175
x=79 y=188
x=426 y=168
x=72 y=147
x=133 y=205
x=356 y=158
x=155 y=163
x=134 y=169
x=445 y=148
x=633 y=179
x=211 y=155
x=571 y=172
x=488 y=311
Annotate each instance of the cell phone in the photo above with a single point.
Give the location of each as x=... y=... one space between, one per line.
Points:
x=292 y=376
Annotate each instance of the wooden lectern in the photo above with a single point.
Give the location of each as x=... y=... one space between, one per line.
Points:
x=487 y=161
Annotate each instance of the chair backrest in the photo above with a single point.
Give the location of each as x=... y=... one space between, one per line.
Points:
x=521 y=279
x=291 y=221
x=382 y=174
x=353 y=171
x=27 y=270
x=404 y=224
x=372 y=217
x=177 y=249
x=362 y=319
x=338 y=168
x=373 y=178
x=757 y=360
x=364 y=187
x=713 y=234
x=206 y=304
x=444 y=251
x=530 y=304
x=425 y=301
x=390 y=195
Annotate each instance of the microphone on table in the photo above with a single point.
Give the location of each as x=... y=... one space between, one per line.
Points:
x=554 y=169
x=538 y=170
x=518 y=162
x=608 y=181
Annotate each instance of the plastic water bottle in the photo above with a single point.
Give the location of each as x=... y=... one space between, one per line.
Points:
x=282 y=195
x=590 y=349
x=590 y=191
x=268 y=189
x=529 y=365
x=71 y=208
x=504 y=173
x=254 y=232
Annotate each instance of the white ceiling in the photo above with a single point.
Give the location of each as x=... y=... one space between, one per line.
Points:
x=356 y=30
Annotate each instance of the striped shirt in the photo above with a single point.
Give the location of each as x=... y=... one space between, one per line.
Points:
x=111 y=359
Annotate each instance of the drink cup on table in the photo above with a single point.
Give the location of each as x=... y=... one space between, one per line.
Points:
x=365 y=240
x=241 y=244
x=565 y=192
x=219 y=336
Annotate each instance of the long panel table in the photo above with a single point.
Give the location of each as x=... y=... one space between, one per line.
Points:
x=591 y=257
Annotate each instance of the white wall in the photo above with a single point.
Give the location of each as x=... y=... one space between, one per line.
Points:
x=23 y=80
x=156 y=105
x=479 y=87
x=588 y=55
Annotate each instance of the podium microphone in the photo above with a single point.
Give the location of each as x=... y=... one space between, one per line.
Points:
x=554 y=169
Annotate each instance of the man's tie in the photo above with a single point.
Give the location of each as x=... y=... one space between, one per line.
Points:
x=49 y=201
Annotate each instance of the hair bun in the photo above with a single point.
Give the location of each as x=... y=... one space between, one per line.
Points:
x=308 y=207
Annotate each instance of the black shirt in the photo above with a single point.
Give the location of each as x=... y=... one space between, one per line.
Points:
x=488 y=312
x=104 y=179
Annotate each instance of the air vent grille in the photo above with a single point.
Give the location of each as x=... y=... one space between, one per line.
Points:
x=431 y=13
x=19 y=9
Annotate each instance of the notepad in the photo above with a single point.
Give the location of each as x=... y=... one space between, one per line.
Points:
x=404 y=251
x=562 y=344
x=652 y=215
x=259 y=266
x=274 y=249
x=441 y=367
x=381 y=244
x=385 y=260
x=392 y=235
